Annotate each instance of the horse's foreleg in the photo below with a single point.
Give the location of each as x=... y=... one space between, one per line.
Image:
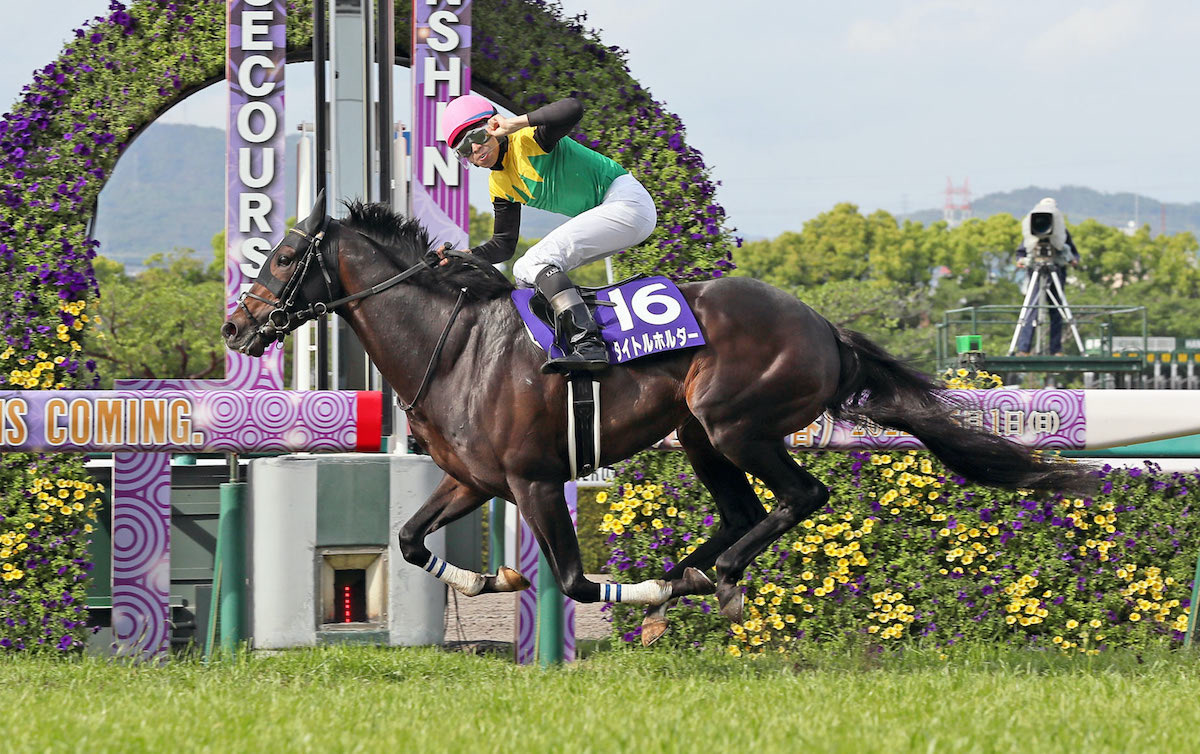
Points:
x=450 y=501
x=545 y=510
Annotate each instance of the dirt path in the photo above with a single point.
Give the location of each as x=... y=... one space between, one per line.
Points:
x=491 y=617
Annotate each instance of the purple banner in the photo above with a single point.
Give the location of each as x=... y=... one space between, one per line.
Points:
x=1035 y=418
x=527 y=600
x=254 y=166
x=254 y=217
x=141 y=554
x=441 y=71
x=647 y=316
x=189 y=421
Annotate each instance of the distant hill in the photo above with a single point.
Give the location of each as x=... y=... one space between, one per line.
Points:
x=168 y=191
x=1079 y=203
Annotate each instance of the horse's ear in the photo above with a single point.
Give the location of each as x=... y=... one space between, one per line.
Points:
x=316 y=217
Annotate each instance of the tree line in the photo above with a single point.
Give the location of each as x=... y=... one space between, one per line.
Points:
x=894 y=279
x=870 y=272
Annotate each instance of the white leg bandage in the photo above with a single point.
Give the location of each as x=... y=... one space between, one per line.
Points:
x=467 y=582
x=646 y=593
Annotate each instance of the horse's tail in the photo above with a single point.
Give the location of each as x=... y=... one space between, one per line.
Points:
x=875 y=385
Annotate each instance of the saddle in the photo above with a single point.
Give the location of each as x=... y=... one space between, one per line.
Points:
x=583 y=392
x=639 y=316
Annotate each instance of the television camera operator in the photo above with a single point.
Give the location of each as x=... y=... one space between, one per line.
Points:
x=1046 y=251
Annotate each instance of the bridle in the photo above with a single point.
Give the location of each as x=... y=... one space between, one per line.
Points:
x=285 y=315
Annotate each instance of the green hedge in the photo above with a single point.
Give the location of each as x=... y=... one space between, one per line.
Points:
x=907 y=553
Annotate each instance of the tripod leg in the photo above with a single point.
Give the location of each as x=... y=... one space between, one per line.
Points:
x=1042 y=331
x=1065 y=309
x=1031 y=290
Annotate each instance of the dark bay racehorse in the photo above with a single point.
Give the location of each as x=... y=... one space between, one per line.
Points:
x=448 y=339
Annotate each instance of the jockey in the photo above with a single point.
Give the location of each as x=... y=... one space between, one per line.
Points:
x=530 y=162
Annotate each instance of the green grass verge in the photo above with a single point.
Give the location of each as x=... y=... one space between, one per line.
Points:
x=349 y=699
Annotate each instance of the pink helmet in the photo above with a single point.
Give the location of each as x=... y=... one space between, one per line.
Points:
x=462 y=113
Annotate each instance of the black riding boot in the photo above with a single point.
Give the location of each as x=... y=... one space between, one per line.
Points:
x=574 y=328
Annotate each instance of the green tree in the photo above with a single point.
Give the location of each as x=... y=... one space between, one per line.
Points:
x=981 y=251
x=162 y=323
x=1110 y=258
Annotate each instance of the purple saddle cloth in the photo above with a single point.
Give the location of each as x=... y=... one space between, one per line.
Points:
x=648 y=315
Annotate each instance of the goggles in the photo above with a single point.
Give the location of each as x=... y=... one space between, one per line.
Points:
x=469 y=140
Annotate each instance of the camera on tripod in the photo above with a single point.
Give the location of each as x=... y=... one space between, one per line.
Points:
x=1042 y=227
x=1046 y=250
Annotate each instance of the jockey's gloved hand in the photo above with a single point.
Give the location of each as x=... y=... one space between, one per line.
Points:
x=441 y=252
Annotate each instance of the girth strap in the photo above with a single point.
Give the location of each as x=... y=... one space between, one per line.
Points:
x=583 y=423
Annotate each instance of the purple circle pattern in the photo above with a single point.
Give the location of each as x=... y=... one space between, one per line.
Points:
x=139 y=620
x=275 y=411
x=527 y=565
x=1035 y=418
x=140 y=537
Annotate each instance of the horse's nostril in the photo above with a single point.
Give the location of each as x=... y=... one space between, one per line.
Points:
x=228 y=330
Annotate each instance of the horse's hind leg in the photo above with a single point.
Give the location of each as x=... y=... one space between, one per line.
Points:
x=450 y=501
x=798 y=493
x=545 y=510
x=739 y=509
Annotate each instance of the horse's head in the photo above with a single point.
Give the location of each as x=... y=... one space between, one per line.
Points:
x=298 y=282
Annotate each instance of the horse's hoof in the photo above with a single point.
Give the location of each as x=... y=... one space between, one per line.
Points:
x=695 y=582
x=652 y=630
x=731 y=600
x=508 y=580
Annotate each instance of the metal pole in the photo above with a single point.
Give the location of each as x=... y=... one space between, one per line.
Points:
x=1191 y=627
x=385 y=55
x=214 y=603
x=231 y=544
x=496 y=535
x=320 y=55
x=550 y=615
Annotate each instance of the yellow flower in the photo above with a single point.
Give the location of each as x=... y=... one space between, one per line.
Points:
x=602 y=497
x=671 y=510
x=1135 y=617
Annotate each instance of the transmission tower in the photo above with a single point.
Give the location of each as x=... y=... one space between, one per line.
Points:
x=958 y=203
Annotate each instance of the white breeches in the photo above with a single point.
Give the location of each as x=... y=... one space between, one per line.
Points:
x=625 y=218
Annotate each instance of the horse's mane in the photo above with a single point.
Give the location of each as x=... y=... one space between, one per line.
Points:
x=406 y=242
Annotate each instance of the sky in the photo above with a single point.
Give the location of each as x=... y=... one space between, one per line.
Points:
x=798 y=106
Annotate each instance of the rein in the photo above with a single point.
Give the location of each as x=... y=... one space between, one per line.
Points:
x=437 y=351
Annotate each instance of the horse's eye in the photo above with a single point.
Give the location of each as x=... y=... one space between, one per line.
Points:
x=285 y=259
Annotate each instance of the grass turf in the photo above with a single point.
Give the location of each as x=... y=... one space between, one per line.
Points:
x=349 y=699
